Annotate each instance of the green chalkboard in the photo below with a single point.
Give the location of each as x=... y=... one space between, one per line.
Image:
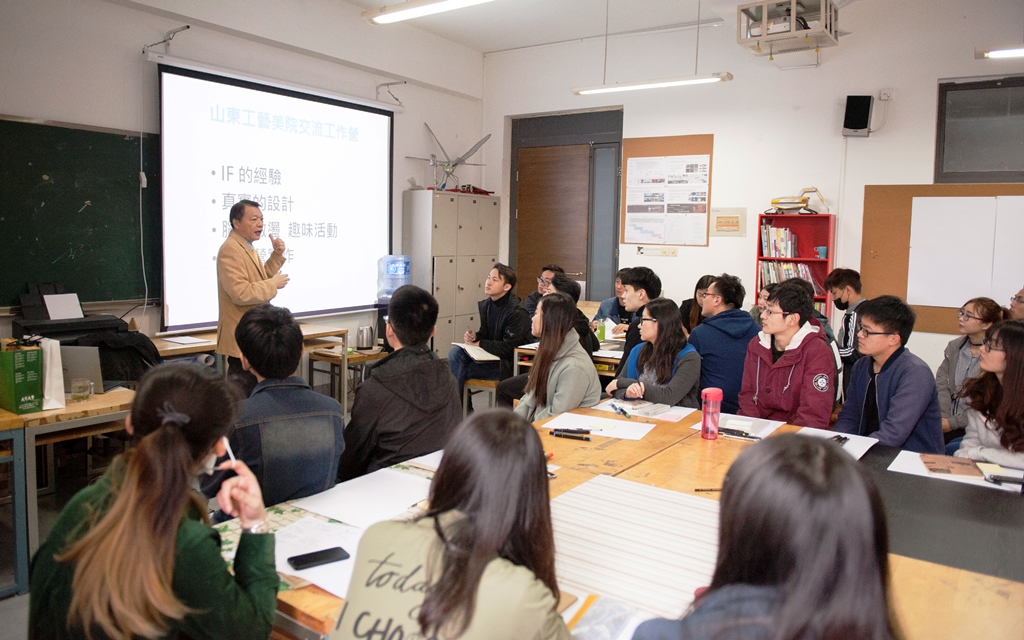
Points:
x=69 y=212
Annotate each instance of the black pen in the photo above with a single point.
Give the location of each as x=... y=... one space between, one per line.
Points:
x=584 y=431
x=840 y=440
x=710 y=489
x=738 y=436
x=572 y=436
x=734 y=432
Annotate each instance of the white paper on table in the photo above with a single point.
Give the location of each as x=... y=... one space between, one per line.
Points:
x=532 y=345
x=609 y=428
x=675 y=414
x=429 y=462
x=911 y=463
x=856 y=446
x=608 y=353
x=754 y=426
x=308 y=535
x=185 y=340
x=381 y=495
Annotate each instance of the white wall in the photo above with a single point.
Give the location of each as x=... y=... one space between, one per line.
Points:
x=775 y=131
x=80 y=62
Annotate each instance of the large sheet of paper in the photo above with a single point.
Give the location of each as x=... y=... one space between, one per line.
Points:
x=381 y=495
x=754 y=426
x=643 y=545
x=940 y=230
x=910 y=462
x=308 y=535
x=667 y=200
x=855 y=446
x=607 y=427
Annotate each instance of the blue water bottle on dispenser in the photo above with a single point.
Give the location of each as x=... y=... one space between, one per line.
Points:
x=392 y=272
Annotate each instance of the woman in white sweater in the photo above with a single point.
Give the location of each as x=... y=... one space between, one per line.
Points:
x=563 y=376
x=995 y=419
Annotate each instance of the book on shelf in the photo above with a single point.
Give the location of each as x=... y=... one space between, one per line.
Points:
x=782 y=271
x=778 y=242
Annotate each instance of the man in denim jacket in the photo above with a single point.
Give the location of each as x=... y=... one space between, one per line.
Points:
x=289 y=435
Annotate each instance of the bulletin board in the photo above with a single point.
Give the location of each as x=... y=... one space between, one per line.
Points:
x=666 y=190
x=885 y=245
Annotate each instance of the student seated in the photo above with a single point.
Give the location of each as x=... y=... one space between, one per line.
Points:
x=1017 y=305
x=133 y=555
x=504 y=325
x=289 y=435
x=892 y=395
x=961 y=362
x=722 y=339
x=689 y=309
x=789 y=372
x=663 y=368
x=640 y=285
x=543 y=287
x=613 y=309
x=844 y=286
x=409 y=404
x=762 y=299
x=511 y=389
x=563 y=376
x=774 y=578
x=480 y=563
x=995 y=419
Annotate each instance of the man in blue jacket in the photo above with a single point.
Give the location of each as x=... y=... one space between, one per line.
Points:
x=722 y=338
x=892 y=394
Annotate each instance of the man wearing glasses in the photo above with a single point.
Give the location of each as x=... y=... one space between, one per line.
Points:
x=409 y=403
x=543 y=287
x=1017 y=306
x=789 y=373
x=892 y=394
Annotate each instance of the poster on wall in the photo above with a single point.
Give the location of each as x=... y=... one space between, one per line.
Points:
x=667 y=199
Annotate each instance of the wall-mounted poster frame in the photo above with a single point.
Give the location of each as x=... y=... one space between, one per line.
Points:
x=666 y=190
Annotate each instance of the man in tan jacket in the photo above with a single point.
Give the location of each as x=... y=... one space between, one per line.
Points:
x=242 y=280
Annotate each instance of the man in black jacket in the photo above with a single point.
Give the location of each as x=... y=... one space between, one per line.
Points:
x=504 y=325
x=640 y=285
x=409 y=403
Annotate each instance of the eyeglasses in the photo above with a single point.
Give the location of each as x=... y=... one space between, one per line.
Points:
x=963 y=315
x=1016 y=300
x=643 y=320
x=862 y=332
x=543 y=281
x=772 y=312
x=987 y=345
x=706 y=294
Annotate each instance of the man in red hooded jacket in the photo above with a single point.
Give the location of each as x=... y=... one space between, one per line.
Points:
x=789 y=372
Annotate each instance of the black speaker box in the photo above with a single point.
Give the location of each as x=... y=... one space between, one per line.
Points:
x=857 y=121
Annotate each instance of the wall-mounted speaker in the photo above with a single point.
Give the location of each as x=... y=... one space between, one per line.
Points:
x=857 y=121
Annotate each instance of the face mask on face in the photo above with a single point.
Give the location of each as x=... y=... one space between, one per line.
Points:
x=842 y=306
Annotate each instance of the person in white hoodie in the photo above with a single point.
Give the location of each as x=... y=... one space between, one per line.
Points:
x=563 y=376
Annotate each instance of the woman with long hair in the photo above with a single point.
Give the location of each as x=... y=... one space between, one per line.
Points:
x=995 y=417
x=689 y=309
x=133 y=555
x=802 y=551
x=563 y=376
x=480 y=563
x=663 y=368
x=961 y=362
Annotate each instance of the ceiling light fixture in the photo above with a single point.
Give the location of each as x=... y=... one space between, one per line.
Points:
x=981 y=54
x=722 y=76
x=415 y=9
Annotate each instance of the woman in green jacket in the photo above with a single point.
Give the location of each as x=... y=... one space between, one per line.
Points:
x=563 y=376
x=133 y=555
x=480 y=563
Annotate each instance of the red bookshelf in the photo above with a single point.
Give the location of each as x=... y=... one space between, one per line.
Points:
x=786 y=248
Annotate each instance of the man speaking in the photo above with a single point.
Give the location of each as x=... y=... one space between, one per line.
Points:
x=242 y=280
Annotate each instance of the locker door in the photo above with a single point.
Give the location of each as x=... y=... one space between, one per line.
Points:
x=469 y=225
x=444 y=285
x=490 y=223
x=445 y=336
x=469 y=289
x=467 y=321
x=444 y=225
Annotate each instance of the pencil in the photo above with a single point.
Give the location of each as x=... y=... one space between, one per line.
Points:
x=227 y=445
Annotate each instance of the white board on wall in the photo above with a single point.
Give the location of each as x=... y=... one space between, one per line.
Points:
x=963 y=248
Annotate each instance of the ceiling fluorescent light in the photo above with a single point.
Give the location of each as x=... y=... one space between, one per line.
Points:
x=981 y=54
x=415 y=9
x=653 y=84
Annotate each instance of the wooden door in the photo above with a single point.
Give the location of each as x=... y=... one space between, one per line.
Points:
x=552 y=212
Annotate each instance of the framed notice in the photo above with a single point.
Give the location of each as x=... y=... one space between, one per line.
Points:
x=667 y=190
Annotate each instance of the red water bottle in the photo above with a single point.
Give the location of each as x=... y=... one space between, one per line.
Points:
x=711 y=412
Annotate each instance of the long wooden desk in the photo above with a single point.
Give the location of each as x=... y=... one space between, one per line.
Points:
x=523 y=358
x=98 y=409
x=173 y=349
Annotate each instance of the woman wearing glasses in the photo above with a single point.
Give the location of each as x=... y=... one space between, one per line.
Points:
x=689 y=309
x=995 y=419
x=663 y=368
x=961 y=363
x=1017 y=306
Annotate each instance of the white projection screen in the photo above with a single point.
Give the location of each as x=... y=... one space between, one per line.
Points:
x=319 y=167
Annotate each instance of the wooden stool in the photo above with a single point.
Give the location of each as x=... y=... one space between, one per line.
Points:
x=474 y=386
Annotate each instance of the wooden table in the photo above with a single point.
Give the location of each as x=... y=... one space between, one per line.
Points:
x=98 y=409
x=524 y=358
x=173 y=349
x=339 y=367
x=10 y=420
